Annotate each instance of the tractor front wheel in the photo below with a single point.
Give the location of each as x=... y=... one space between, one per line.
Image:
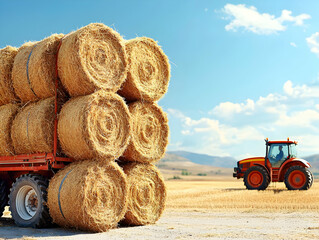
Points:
x=256 y=178
x=27 y=201
x=298 y=178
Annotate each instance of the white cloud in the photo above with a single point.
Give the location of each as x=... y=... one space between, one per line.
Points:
x=313 y=43
x=237 y=129
x=260 y=23
x=293 y=44
x=227 y=109
x=214 y=137
x=302 y=91
x=299 y=119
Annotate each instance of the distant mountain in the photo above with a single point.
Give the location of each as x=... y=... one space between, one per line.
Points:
x=203 y=159
x=313 y=160
x=174 y=165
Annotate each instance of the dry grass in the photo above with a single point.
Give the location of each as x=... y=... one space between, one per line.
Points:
x=147 y=194
x=230 y=195
x=33 y=72
x=88 y=195
x=32 y=128
x=95 y=126
x=149 y=135
x=92 y=58
x=149 y=71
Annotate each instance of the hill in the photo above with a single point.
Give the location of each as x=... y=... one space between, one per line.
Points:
x=203 y=159
x=173 y=165
x=314 y=160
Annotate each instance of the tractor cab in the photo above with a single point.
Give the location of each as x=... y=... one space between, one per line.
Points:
x=277 y=152
x=279 y=165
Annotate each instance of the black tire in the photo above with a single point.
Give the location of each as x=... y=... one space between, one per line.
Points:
x=39 y=216
x=312 y=178
x=306 y=181
x=262 y=184
x=3 y=196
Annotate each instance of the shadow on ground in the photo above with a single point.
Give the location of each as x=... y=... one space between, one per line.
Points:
x=8 y=230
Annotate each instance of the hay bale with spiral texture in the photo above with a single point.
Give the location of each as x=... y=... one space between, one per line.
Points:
x=88 y=195
x=146 y=194
x=95 y=126
x=7 y=113
x=7 y=56
x=92 y=58
x=149 y=134
x=32 y=128
x=34 y=69
x=148 y=73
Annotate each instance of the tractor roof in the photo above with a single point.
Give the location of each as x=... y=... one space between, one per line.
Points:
x=281 y=142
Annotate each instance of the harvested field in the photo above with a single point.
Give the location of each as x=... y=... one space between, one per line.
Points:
x=232 y=195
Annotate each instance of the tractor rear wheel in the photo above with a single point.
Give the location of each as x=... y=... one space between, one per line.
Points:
x=27 y=201
x=3 y=196
x=256 y=178
x=298 y=178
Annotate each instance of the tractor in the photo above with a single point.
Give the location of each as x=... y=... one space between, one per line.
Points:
x=279 y=165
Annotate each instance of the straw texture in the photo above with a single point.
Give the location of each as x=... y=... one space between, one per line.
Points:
x=95 y=126
x=7 y=113
x=149 y=135
x=149 y=71
x=93 y=196
x=32 y=128
x=146 y=194
x=92 y=58
x=7 y=56
x=34 y=67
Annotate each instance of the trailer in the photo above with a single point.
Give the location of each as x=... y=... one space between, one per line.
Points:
x=24 y=180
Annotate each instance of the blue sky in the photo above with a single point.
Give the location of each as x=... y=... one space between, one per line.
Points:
x=241 y=70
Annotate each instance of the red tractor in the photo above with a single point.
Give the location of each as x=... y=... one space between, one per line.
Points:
x=279 y=165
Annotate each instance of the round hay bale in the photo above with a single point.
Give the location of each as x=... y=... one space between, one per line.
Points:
x=92 y=58
x=32 y=128
x=146 y=194
x=95 y=126
x=7 y=56
x=149 y=134
x=148 y=73
x=88 y=195
x=34 y=69
x=7 y=113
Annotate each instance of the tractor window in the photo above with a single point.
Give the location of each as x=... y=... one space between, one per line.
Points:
x=278 y=153
x=293 y=151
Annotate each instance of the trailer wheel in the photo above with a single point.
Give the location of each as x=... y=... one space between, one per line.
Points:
x=298 y=178
x=256 y=178
x=3 y=196
x=27 y=201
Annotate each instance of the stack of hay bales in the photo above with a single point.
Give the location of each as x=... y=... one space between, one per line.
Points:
x=147 y=81
x=107 y=111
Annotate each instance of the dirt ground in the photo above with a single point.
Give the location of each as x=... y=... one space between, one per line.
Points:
x=191 y=225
